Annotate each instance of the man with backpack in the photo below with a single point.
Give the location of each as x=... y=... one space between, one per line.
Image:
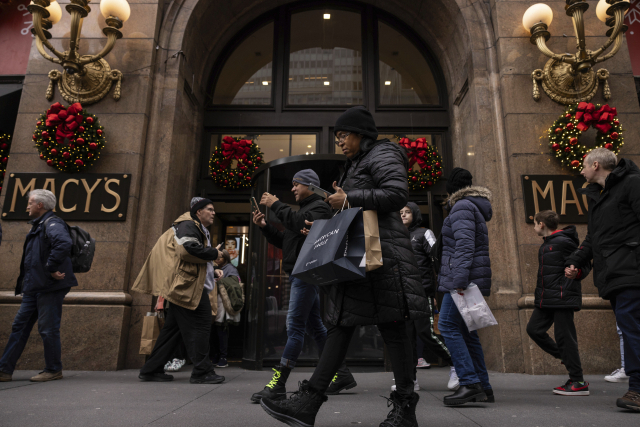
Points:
x=46 y=275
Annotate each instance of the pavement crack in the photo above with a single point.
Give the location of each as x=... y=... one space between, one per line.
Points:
x=193 y=400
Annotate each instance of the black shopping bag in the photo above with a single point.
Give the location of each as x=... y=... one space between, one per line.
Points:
x=334 y=250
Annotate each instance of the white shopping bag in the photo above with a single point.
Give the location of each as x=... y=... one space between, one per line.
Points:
x=473 y=308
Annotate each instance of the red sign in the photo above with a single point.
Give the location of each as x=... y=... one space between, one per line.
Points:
x=15 y=37
x=633 y=35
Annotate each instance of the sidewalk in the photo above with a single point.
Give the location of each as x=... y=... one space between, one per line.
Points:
x=119 y=399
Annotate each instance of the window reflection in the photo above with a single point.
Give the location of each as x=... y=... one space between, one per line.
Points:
x=274 y=146
x=405 y=75
x=325 y=59
x=246 y=78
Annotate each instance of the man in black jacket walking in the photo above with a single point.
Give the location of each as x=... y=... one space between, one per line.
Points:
x=556 y=300
x=613 y=242
x=304 y=303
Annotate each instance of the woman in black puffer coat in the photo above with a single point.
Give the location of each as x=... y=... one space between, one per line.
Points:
x=375 y=179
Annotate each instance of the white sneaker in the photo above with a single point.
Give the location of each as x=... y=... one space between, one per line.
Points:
x=423 y=363
x=416 y=386
x=174 y=366
x=168 y=366
x=181 y=363
x=454 y=382
x=617 y=376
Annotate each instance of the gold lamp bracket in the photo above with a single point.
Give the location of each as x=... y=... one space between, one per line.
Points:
x=88 y=87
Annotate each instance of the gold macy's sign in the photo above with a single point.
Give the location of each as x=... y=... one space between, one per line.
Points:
x=557 y=193
x=81 y=197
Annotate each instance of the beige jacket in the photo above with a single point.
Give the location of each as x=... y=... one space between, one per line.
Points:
x=171 y=272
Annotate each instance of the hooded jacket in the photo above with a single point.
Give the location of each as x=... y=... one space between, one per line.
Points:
x=176 y=268
x=421 y=241
x=465 y=241
x=613 y=233
x=376 y=179
x=291 y=240
x=45 y=252
x=553 y=289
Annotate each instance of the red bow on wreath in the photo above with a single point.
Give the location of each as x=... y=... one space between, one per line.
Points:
x=416 y=151
x=232 y=149
x=601 y=119
x=67 y=120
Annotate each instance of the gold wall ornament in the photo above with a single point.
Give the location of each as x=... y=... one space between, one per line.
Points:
x=570 y=78
x=84 y=78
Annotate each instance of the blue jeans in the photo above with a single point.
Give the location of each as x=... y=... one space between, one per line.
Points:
x=464 y=346
x=303 y=315
x=46 y=308
x=626 y=306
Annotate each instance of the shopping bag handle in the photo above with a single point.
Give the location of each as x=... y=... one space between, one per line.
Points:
x=343 y=203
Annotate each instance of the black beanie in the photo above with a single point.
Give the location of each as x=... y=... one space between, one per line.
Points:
x=358 y=120
x=198 y=203
x=459 y=178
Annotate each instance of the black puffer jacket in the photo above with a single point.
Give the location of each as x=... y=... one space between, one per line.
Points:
x=376 y=179
x=421 y=241
x=553 y=289
x=613 y=235
x=291 y=241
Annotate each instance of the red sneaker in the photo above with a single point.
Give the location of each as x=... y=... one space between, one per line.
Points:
x=571 y=388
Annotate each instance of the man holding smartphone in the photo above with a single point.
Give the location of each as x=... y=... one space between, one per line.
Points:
x=304 y=304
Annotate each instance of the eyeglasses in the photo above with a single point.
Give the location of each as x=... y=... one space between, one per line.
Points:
x=342 y=138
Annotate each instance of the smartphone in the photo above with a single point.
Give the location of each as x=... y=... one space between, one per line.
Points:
x=254 y=205
x=319 y=191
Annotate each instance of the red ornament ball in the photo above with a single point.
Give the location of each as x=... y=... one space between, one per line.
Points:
x=66 y=155
x=567 y=149
x=34 y=137
x=80 y=141
x=608 y=146
x=46 y=144
x=54 y=152
x=250 y=163
x=61 y=163
x=429 y=167
x=81 y=129
x=422 y=183
x=90 y=120
x=99 y=131
x=569 y=125
x=4 y=146
x=240 y=175
x=437 y=164
x=567 y=116
x=556 y=147
x=433 y=174
x=558 y=130
x=79 y=162
x=38 y=122
x=616 y=122
x=45 y=134
x=573 y=141
x=414 y=178
x=439 y=173
x=230 y=173
x=258 y=158
x=614 y=135
x=226 y=181
x=50 y=162
x=575 y=163
x=93 y=146
x=41 y=156
x=72 y=146
x=5 y=160
x=214 y=174
x=429 y=183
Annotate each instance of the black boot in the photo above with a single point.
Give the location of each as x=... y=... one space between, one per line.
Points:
x=490 y=397
x=275 y=390
x=466 y=393
x=299 y=410
x=341 y=382
x=403 y=413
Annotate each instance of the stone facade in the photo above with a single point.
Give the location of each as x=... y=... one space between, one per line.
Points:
x=154 y=134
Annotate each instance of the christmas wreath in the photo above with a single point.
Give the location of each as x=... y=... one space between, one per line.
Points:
x=565 y=132
x=428 y=160
x=5 y=146
x=232 y=163
x=69 y=139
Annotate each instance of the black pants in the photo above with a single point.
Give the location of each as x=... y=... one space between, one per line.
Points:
x=192 y=326
x=565 y=346
x=422 y=329
x=398 y=344
x=219 y=341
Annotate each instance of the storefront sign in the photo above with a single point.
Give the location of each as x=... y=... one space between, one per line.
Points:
x=557 y=193
x=80 y=197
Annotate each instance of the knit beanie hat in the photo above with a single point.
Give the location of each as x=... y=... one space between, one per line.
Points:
x=458 y=179
x=198 y=203
x=358 y=120
x=307 y=177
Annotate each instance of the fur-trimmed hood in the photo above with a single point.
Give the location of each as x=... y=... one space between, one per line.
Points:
x=480 y=196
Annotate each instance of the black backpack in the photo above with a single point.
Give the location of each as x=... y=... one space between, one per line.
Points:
x=83 y=246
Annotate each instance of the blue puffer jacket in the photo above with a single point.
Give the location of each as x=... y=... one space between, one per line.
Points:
x=465 y=241
x=46 y=253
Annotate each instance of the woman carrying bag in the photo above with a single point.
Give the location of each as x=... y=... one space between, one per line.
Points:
x=465 y=259
x=375 y=179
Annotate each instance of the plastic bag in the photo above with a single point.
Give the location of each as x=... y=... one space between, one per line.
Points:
x=473 y=308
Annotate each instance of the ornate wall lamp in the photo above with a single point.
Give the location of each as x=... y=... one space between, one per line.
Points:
x=85 y=78
x=568 y=78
